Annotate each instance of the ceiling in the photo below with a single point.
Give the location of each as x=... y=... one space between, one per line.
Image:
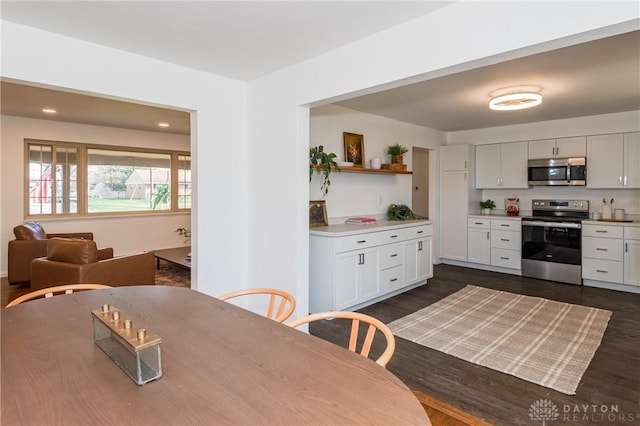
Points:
x=245 y=40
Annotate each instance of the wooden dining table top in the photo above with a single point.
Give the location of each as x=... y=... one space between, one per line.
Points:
x=221 y=364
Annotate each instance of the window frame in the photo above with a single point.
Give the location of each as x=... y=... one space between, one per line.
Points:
x=83 y=175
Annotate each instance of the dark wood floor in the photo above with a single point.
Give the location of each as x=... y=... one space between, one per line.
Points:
x=611 y=382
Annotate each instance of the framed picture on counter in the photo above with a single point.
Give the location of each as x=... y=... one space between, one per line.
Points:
x=317 y=213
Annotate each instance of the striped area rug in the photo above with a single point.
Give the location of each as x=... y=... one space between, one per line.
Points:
x=542 y=341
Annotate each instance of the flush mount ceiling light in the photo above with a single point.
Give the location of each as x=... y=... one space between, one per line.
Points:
x=163 y=124
x=49 y=110
x=515 y=101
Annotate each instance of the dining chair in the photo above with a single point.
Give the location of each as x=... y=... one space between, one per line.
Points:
x=356 y=318
x=52 y=291
x=281 y=303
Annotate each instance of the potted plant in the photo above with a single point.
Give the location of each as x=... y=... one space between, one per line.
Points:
x=487 y=205
x=322 y=162
x=397 y=151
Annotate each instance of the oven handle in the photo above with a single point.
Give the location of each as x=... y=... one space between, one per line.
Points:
x=552 y=224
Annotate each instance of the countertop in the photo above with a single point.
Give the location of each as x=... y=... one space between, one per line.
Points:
x=345 y=229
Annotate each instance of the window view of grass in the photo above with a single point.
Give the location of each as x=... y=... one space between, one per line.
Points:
x=104 y=205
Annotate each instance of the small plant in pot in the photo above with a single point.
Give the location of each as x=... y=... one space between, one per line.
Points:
x=487 y=206
x=397 y=151
x=322 y=162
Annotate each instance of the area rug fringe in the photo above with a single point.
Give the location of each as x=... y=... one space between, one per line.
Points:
x=539 y=340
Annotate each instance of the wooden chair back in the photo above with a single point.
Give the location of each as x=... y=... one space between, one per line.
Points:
x=357 y=318
x=281 y=303
x=52 y=291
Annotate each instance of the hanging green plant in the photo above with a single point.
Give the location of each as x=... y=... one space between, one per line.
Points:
x=402 y=212
x=323 y=163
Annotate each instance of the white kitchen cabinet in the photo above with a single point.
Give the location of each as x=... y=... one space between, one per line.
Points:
x=558 y=148
x=632 y=255
x=613 y=161
x=502 y=166
x=418 y=265
x=458 y=198
x=602 y=253
x=479 y=241
x=506 y=246
x=351 y=266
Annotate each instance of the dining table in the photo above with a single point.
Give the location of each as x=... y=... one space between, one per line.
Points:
x=221 y=364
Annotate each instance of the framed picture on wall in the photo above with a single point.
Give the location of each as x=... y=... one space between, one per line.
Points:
x=354 y=148
x=317 y=213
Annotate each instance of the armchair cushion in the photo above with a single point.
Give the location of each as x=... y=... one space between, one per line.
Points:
x=30 y=231
x=72 y=250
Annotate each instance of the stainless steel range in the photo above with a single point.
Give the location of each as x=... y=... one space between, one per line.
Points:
x=552 y=238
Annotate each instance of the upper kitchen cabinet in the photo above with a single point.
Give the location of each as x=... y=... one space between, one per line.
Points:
x=501 y=166
x=613 y=161
x=456 y=158
x=558 y=148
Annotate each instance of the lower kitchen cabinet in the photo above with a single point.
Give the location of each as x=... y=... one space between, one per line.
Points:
x=494 y=241
x=351 y=266
x=610 y=255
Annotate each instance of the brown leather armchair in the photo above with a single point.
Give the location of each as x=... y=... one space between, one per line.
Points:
x=31 y=243
x=72 y=261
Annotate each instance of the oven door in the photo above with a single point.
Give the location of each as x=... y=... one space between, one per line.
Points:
x=556 y=242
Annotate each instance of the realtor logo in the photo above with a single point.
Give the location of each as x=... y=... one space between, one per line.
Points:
x=543 y=410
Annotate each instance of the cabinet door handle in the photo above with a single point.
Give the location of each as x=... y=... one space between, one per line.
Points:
x=393 y=236
x=361 y=241
x=488 y=236
x=504 y=239
x=625 y=181
x=478 y=223
x=360 y=258
x=505 y=225
x=620 y=180
x=601 y=231
x=626 y=247
x=602 y=271
x=419 y=245
x=419 y=232
x=601 y=249
x=465 y=164
x=504 y=258
x=393 y=279
x=394 y=255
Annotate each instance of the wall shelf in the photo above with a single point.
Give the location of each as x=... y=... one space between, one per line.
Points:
x=372 y=171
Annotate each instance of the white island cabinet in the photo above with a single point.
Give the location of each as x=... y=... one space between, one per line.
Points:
x=351 y=266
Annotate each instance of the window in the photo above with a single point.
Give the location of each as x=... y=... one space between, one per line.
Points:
x=81 y=180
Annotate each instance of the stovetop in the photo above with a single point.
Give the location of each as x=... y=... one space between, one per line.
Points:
x=559 y=210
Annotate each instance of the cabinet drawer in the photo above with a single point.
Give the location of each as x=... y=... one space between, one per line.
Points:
x=602 y=248
x=391 y=279
x=602 y=270
x=509 y=240
x=391 y=255
x=632 y=232
x=505 y=258
x=602 y=231
x=479 y=223
x=509 y=225
x=360 y=241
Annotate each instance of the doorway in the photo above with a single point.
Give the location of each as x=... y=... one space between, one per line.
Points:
x=420 y=181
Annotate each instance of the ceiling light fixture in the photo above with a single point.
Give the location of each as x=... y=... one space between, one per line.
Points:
x=515 y=101
x=49 y=110
x=163 y=124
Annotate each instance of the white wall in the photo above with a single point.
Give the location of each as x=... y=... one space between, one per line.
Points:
x=219 y=213
x=152 y=232
x=365 y=194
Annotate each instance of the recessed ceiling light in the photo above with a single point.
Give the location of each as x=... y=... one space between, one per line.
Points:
x=163 y=124
x=515 y=101
x=49 y=110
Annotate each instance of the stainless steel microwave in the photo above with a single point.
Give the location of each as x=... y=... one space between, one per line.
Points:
x=557 y=172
